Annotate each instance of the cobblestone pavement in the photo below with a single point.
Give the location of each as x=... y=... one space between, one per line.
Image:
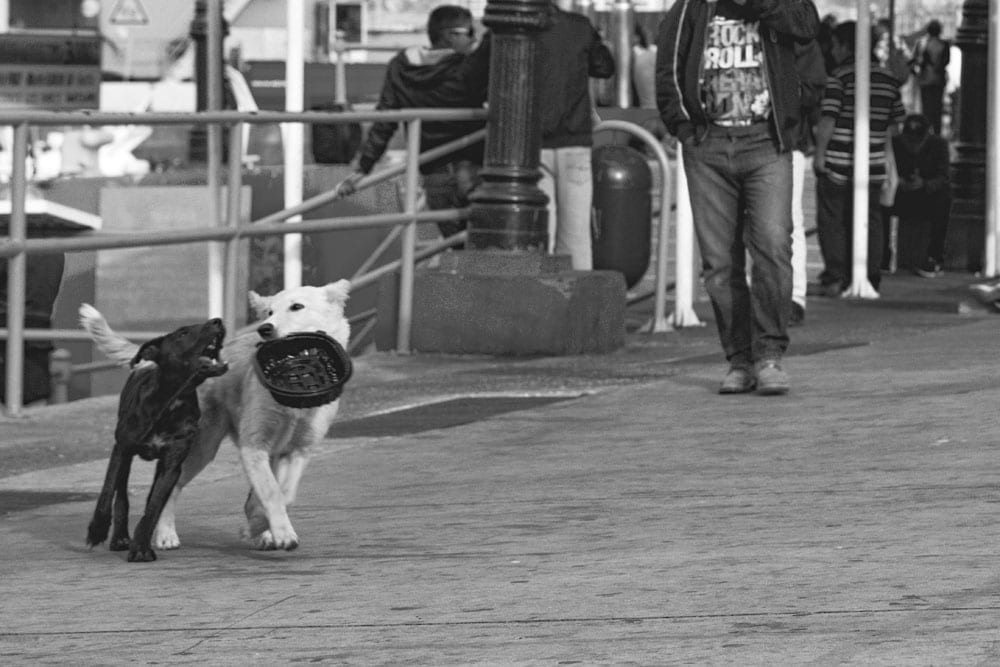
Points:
x=596 y=510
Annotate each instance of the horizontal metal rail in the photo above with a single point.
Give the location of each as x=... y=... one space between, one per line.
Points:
x=48 y=118
x=110 y=241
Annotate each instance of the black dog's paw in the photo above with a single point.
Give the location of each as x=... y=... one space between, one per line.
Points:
x=97 y=531
x=138 y=554
x=119 y=543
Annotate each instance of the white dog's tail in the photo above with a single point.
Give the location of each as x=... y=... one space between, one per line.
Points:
x=114 y=346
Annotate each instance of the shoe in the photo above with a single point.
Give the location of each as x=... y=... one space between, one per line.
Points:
x=798 y=315
x=771 y=380
x=832 y=290
x=929 y=269
x=739 y=380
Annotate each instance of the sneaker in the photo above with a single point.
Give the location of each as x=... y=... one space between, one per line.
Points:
x=798 y=315
x=739 y=380
x=929 y=269
x=771 y=380
x=832 y=290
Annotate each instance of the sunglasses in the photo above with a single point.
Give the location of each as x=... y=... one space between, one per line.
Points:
x=469 y=32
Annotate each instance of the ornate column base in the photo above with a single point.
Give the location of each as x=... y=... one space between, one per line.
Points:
x=509 y=303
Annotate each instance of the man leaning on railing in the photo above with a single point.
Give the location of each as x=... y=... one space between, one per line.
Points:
x=452 y=73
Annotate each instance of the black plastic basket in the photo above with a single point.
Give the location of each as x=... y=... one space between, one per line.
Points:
x=303 y=370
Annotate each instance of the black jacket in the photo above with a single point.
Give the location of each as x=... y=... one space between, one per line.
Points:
x=569 y=52
x=429 y=78
x=680 y=47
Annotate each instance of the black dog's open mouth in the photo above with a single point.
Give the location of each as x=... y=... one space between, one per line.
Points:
x=208 y=362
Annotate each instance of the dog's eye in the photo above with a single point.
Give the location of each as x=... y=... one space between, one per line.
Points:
x=270 y=313
x=297 y=306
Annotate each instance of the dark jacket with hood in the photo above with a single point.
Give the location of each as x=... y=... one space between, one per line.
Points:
x=569 y=53
x=680 y=50
x=419 y=77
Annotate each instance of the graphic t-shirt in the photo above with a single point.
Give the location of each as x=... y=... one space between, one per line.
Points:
x=734 y=86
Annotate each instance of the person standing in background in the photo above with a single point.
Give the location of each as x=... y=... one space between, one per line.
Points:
x=834 y=163
x=570 y=52
x=923 y=198
x=930 y=64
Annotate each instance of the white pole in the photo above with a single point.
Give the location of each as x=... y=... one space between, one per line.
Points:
x=294 y=136
x=408 y=242
x=992 y=242
x=214 y=78
x=684 y=315
x=622 y=21
x=860 y=287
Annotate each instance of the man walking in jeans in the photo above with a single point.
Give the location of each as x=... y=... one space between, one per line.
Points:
x=727 y=88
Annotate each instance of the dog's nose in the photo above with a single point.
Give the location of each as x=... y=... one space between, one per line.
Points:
x=266 y=330
x=215 y=321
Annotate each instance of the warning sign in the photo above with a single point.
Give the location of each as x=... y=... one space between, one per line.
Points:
x=129 y=12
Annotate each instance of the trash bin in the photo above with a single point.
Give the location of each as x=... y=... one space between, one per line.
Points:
x=622 y=211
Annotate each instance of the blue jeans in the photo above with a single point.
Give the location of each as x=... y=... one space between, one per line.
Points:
x=741 y=200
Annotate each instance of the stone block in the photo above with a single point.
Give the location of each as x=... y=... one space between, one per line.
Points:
x=503 y=313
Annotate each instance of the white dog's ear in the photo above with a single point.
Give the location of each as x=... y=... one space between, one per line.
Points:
x=259 y=304
x=339 y=291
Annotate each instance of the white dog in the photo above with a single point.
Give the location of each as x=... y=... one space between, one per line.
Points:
x=273 y=440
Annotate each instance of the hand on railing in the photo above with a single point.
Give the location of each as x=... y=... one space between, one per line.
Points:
x=349 y=185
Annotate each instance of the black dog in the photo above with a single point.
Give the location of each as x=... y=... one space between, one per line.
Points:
x=157 y=420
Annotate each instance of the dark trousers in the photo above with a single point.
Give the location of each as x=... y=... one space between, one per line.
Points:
x=932 y=103
x=835 y=227
x=926 y=211
x=448 y=186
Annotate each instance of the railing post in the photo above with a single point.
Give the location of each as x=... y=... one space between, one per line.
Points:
x=60 y=375
x=293 y=137
x=17 y=274
x=409 y=240
x=683 y=314
x=216 y=251
x=340 y=71
x=231 y=272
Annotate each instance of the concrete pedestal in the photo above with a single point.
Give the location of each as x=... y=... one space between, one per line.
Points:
x=516 y=303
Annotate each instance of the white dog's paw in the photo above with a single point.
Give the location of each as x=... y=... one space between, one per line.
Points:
x=267 y=541
x=165 y=539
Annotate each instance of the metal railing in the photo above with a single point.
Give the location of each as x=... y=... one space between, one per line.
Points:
x=223 y=233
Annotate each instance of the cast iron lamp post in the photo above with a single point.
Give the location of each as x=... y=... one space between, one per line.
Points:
x=967 y=227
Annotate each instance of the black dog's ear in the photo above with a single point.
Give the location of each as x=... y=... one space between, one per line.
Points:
x=150 y=351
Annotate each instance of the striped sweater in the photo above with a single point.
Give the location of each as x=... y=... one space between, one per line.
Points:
x=886 y=107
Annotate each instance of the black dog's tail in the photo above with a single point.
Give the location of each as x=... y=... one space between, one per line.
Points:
x=113 y=345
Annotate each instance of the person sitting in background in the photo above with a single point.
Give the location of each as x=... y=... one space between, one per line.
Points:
x=923 y=197
x=449 y=74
